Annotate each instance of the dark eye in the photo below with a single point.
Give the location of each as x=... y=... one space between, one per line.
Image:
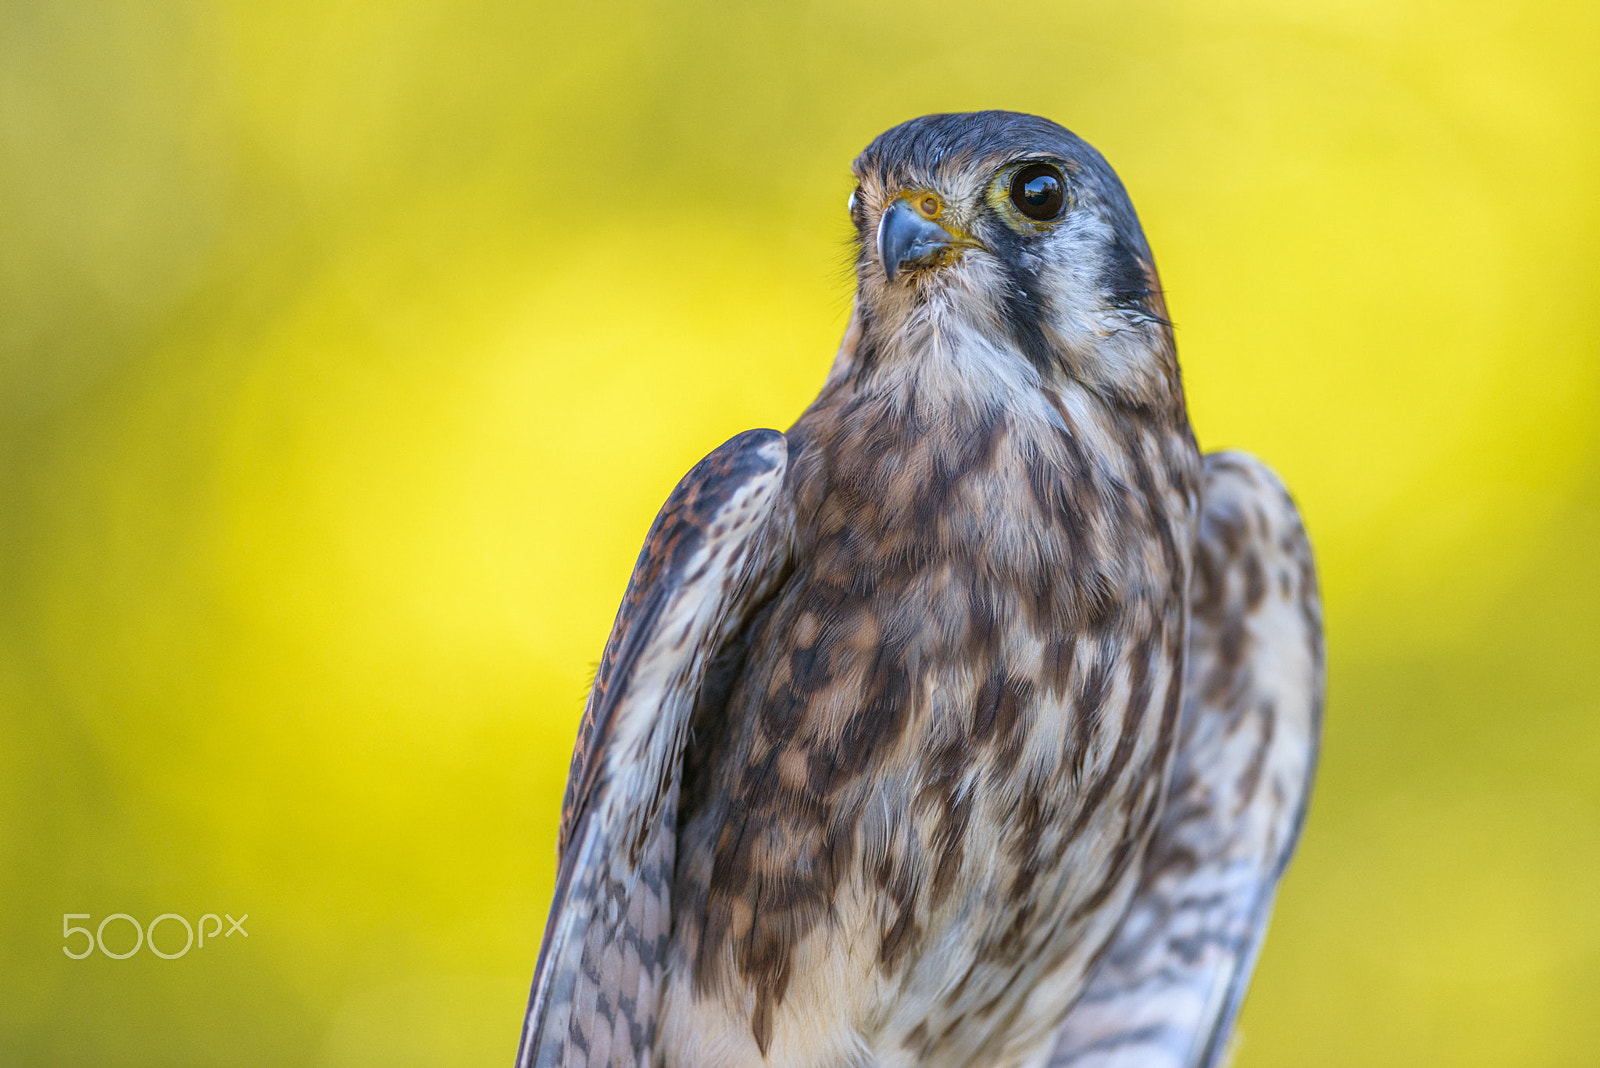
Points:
x=1039 y=191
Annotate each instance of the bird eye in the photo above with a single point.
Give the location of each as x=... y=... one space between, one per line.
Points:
x=1039 y=191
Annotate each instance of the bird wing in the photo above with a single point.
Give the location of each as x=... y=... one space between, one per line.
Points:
x=1167 y=990
x=712 y=554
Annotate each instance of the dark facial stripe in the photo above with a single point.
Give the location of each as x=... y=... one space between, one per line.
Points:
x=1022 y=300
x=1124 y=277
x=1025 y=310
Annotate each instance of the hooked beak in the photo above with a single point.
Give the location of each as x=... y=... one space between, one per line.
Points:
x=907 y=241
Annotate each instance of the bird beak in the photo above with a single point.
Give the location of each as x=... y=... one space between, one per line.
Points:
x=907 y=240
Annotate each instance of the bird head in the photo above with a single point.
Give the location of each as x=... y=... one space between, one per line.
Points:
x=1006 y=244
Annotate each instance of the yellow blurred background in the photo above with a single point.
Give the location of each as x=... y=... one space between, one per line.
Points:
x=348 y=348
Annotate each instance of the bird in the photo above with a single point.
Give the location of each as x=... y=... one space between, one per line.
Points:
x=973 y=719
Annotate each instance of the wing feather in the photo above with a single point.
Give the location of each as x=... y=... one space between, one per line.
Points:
x=1167 y=991
x=713 y=553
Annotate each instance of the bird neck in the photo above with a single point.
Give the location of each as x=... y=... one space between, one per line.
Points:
x=964 y=453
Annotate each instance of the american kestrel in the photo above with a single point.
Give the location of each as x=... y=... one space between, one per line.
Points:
x=972 y=720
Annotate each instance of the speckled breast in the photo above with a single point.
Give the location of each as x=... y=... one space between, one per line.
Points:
x=942 y=752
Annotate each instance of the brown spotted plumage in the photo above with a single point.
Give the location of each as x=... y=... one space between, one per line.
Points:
x=876 y=766
x=1167 y=990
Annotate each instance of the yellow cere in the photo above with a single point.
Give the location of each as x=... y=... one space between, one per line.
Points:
x=347 y=351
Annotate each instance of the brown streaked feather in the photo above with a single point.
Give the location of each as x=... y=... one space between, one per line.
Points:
x=1166 y=993
x=710 y=557
x=944 y=750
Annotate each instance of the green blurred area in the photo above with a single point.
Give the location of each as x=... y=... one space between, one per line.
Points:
x=347 y=350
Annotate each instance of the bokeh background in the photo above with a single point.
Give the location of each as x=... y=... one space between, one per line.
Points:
x=347 y=349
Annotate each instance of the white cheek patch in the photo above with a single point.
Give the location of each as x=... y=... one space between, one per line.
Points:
x=1101 y=343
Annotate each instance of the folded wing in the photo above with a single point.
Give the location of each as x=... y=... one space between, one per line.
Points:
x=1166 y=993
x=711 y=555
